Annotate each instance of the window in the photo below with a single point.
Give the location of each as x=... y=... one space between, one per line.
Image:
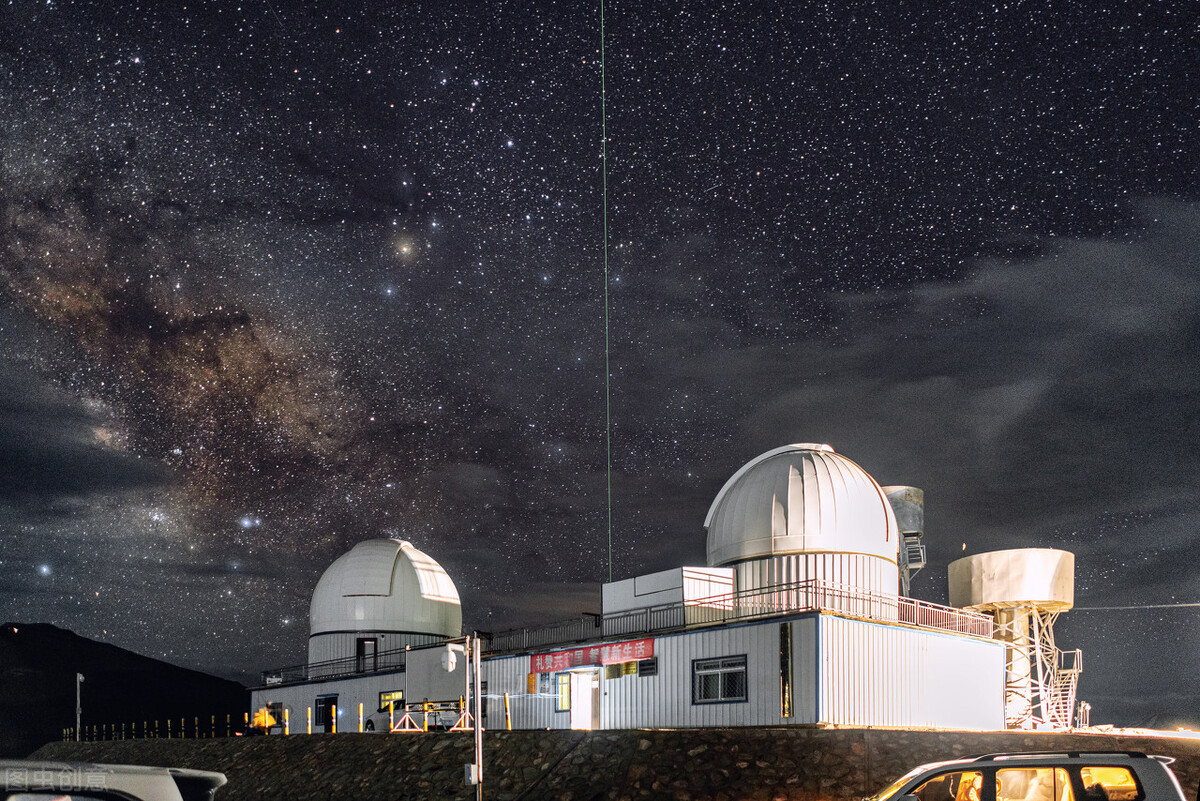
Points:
x=389 y=697
x=275 y=716
x=962 y=785
x=716 y=681
x=1033 y=784
x=562 y=701
x=1109 y=784
x=324 y=710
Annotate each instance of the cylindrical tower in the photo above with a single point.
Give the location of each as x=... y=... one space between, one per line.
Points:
x=1025 y=589
x=803 y=512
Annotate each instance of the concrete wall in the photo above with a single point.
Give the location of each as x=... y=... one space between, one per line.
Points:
x=758 y=764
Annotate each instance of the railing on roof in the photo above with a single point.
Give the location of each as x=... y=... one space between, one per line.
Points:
x=805 y=596
x=337 y=668
x=784 y=599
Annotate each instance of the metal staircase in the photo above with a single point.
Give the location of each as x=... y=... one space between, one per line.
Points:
x=1058 y=705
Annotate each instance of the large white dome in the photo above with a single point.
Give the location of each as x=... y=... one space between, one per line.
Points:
x=800 y=499
x=385 y=585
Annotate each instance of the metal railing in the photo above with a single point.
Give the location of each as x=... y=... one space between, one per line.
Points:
x=337 y=668
x=805 y=596
x=785 y=599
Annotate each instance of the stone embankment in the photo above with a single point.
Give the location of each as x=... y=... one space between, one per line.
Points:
x=794 y=764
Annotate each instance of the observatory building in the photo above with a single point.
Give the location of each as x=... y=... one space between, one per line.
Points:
x=799 y=617
x=381 y=595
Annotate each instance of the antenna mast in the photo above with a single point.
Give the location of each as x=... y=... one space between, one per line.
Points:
x=604 y=217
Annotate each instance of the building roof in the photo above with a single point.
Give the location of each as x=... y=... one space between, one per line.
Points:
x=802 y=498
x=385 y=585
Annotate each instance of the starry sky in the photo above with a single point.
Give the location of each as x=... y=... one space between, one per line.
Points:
x=278 y=277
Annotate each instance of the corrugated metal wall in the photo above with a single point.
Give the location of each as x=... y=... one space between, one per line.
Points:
x=509 y=674
x=299 y=698
x=844 y=671
x=868 y=573
x=665 y=700
x=877 y=675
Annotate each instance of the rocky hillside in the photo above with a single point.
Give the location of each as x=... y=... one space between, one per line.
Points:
x=689 y=765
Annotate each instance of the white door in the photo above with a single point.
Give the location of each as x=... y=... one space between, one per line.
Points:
x=585 y=687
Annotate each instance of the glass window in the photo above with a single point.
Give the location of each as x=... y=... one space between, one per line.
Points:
x=1109 y=784
x=719 y=680
x=1033 y=784
x=562 y=701
x=390 y=697
x=963 y=785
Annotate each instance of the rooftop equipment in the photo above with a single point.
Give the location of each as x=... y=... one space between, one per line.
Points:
x=908 y=504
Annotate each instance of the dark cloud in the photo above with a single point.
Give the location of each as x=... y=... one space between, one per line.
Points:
x=1027 y=398
x=56 y=449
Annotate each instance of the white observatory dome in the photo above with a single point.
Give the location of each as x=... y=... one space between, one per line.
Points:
x=384 y=588
x=804 y=512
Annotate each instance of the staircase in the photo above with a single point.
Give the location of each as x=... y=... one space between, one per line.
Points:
x=1059 y=705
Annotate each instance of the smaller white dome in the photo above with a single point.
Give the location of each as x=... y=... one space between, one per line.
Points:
x=385 y=585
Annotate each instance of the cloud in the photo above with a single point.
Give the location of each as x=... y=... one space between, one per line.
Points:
x=55 y=448
x=1027 y=398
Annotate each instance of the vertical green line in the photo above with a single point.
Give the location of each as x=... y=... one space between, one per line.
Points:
x=604 y=217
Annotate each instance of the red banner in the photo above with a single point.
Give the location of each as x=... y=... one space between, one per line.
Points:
x=605 y=654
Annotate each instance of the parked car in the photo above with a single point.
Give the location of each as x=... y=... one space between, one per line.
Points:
x=1040 y=776
x=29 y=780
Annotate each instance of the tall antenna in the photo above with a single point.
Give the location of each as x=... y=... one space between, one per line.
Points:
x=604 y=217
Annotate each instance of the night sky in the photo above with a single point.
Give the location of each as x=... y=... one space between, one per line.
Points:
x=279 y=277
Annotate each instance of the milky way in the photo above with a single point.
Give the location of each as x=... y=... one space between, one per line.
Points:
x=277 y=279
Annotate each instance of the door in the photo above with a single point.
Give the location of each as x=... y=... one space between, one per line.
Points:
x=364 y=654
x=585 y=699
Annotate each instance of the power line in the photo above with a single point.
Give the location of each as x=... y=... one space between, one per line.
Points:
x=604 y=217
x=1120 y=608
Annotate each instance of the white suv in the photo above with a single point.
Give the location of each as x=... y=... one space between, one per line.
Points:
x=1049 y=776
x=29 y=780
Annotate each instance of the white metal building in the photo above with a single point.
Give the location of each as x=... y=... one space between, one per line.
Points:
x=796 y=620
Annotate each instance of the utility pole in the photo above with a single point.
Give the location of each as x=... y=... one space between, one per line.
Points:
x=478 y=701
x=78 y=705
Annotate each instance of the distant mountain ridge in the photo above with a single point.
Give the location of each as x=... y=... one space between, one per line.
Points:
x=38 y=663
